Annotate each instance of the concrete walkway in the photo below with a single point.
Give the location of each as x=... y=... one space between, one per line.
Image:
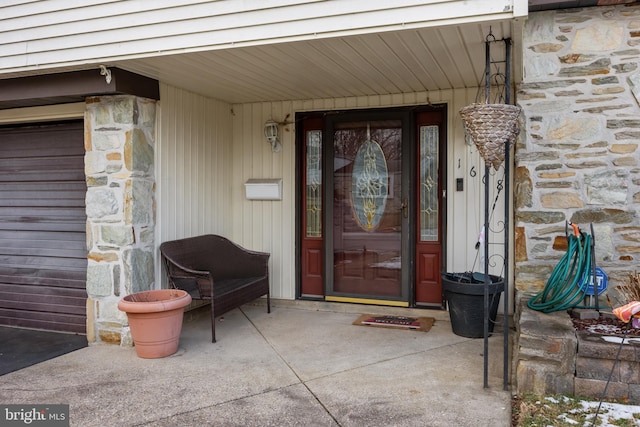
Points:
x=304 y=364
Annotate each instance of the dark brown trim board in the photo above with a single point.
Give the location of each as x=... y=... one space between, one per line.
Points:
x=73 y=86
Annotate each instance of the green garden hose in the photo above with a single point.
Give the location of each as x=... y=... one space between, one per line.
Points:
x=567 y=285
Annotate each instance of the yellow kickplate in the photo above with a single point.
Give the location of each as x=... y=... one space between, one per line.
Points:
x=367 y=301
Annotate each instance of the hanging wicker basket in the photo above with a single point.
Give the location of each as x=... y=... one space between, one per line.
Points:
x=491 y=126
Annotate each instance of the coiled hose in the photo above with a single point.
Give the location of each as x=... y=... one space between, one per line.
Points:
x=568 y=283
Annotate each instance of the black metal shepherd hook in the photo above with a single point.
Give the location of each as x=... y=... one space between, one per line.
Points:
x=503 y=86
x=490 y=35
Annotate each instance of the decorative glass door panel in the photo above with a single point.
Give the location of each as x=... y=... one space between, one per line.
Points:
x=313 y=179
x=367 y=209
x=428 y=220
x=428 y=287
x=311 y=241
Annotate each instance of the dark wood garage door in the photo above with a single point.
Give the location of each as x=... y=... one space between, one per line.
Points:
x=43 y=255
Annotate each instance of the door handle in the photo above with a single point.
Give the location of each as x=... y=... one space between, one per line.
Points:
x=405 y=208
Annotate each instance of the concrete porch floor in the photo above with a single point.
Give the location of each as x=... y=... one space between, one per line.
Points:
x=304 y=364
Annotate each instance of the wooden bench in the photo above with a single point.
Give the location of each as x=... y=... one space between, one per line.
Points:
x=213 y=268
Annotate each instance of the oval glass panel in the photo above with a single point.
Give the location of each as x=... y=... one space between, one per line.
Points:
x=369 y=185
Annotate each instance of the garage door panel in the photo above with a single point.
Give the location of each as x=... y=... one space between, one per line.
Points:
x=53 y=214
x=32 y=176
x=62 y=244
x=33 y=307
x=61 y=279
x=42 y=290
x=40 y=164
x=45 y=303
x=31 y=236
x=40 y=252
x=43 y=262
x=44 y=187
x=42 y=272
x=35 y=319
x=21 y=142
x=57 y=213
x=40 y=224
x=49 y=199
x=43 y=254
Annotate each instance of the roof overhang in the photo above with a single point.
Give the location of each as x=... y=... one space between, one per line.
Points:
x=536 y=5
x=392 y=62
x=301 y=51
x=381 y=49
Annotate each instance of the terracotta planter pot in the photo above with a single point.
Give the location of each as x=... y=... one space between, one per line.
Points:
x=155 y=319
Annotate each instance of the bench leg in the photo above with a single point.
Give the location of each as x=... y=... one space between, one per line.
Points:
x=213 y=324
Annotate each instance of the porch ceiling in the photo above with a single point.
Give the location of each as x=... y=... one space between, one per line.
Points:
x=428 y=59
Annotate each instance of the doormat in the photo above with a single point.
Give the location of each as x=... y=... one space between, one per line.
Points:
x=25 y=347
x=398 y=322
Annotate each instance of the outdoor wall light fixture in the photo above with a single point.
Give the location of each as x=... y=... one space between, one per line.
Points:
x=271 y=132
x=104 y=71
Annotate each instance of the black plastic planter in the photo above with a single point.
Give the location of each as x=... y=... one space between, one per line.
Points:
x=465 y=296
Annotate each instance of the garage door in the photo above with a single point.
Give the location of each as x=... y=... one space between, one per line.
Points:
x=43 y=255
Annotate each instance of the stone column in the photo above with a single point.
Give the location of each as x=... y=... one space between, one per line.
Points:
x=577 y=158
x=120 y=203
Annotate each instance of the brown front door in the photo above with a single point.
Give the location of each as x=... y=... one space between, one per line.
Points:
x=369 y=232
x=370 y=211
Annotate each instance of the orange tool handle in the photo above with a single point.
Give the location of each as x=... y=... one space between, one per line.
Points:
x=576 y=229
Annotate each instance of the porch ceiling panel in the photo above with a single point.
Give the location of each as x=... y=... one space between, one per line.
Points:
x=415 y=60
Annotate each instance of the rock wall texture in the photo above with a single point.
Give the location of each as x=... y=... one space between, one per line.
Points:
x=545 y=352
x=577 y=155
x=119 y=169
x=551 y=357
x=602 y=364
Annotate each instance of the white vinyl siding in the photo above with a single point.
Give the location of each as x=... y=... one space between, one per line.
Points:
x=208 y=149
x=66 y=33
x=265 y=225
x=193 y=170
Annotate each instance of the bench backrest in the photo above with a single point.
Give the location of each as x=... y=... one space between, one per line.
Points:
x=214 y=253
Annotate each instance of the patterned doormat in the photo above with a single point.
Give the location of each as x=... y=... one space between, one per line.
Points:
x=398 y=322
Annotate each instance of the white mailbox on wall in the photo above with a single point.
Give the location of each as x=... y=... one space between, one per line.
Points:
x=263 y=189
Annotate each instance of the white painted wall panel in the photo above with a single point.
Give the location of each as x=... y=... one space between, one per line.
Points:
x=64 y=33
x=193 y=168
x=265 y=225
x=270 y=225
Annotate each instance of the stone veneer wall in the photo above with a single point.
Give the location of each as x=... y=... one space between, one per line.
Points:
x=119 y=160
x=553 y=358
x=546 y=349
x=577 y=156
